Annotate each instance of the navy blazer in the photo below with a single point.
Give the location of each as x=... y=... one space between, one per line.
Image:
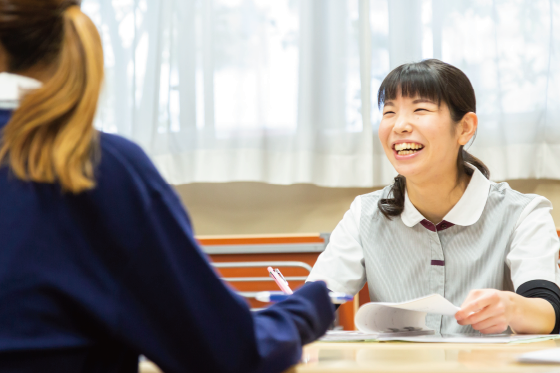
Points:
x=90 y=281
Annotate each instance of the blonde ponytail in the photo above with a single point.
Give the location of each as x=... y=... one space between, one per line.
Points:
x=50 y=137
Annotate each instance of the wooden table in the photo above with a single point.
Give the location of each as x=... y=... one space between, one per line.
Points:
x=401 y=357
x=396 y=357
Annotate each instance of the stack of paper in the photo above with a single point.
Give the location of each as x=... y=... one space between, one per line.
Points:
x=348 y=336
x=357 y=336
x=475 y=338
x=407 y=322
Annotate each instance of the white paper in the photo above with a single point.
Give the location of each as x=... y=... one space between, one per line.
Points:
x=357 y=336
x=537 y=356
x=543 y=356
x=478 y=339
x=347 y=336
x=434 y=303
x=382 y=317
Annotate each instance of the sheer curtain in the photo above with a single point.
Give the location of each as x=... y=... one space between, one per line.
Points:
x=509 y=49
x=238 y=90
x=284 y=91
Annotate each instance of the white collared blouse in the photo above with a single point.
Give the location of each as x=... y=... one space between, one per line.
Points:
x=494 y=237
x=12 y=87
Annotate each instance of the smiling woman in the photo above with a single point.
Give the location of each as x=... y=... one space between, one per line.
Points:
x=442 y=227
x=432 y=91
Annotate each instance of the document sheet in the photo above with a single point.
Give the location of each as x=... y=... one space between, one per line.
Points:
x=406 y=321
x=537 y=356
x=401 y=317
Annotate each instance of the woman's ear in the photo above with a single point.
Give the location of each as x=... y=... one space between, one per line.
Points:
x=467 y=128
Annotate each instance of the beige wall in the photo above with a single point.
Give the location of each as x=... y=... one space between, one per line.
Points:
x=256 y=208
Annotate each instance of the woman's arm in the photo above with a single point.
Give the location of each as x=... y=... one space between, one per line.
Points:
x=492 y=311
x=341 y=265
x=171 y=306
x=532 y=259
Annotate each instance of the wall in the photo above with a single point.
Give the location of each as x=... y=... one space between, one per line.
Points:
x=256 y=208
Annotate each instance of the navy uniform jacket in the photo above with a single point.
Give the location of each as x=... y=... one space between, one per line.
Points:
x=90 y=281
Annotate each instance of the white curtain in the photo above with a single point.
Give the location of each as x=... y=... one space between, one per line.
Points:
x=510 y=50
x=284 y=91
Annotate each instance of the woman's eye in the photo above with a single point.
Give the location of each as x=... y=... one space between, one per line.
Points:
x=420 y=109
x=388 y=112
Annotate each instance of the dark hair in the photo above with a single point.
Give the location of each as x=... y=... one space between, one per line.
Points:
x=32 y=31
x=440 y=82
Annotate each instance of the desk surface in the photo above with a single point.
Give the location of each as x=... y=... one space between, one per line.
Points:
x=399 y=357
x=403 y=357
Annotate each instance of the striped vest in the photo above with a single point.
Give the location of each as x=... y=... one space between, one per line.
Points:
x=450 y=262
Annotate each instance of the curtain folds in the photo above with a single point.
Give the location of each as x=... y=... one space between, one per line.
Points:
x=285 y=91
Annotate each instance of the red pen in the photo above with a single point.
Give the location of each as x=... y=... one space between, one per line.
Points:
x=280 y=280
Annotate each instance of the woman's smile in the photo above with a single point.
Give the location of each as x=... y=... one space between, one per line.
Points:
x=406 y=149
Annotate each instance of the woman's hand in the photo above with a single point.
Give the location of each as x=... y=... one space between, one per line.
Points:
x=489 y=311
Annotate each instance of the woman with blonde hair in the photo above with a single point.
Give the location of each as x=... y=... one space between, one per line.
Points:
x=98 y=263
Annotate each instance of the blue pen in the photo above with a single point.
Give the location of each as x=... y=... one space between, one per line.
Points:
x=277 y=296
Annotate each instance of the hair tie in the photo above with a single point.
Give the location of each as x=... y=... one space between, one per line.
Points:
x=65 y=4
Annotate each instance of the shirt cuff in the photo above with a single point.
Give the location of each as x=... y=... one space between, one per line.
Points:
x=332 y=285
x=546 y=290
